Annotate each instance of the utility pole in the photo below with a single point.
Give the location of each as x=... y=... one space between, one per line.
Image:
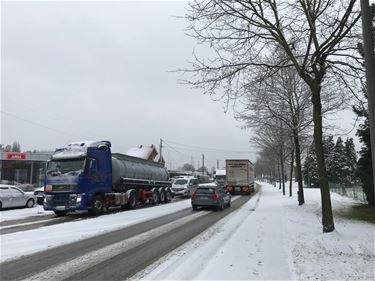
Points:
x=202 y=164
x=217 y=164
x=160 y=148
x=368 y=47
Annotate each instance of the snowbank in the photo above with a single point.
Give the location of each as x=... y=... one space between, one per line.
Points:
x=272 y=238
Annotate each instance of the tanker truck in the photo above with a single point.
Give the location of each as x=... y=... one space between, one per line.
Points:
x=87 y=176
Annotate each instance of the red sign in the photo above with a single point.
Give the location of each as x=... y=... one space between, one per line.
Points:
x=16 y=156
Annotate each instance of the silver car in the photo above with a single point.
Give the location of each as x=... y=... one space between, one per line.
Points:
x=210 y=195
x=11 y=197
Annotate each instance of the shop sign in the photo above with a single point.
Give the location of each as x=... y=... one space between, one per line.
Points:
x=16 y=156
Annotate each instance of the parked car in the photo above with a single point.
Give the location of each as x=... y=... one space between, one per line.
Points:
x=184 y=186
x=39 y=193
x=210 y=195
x=12 y=196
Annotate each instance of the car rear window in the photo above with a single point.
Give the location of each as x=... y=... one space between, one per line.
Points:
x=205 y=190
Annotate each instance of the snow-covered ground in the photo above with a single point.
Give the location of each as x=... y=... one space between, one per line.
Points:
x=27 y=242
x=15 y=214
x=270 y=237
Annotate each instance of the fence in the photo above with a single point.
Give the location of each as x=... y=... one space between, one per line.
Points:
x=354 y=191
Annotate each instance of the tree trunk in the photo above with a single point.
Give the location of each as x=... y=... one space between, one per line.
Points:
x=279 y=172
x=301 y=196
x=327 y=217
x=291 y=174
x=282 y=173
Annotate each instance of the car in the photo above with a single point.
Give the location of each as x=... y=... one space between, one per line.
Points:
x=210 y=195
x=39 y=193
x=12 y=196
x=184 y=186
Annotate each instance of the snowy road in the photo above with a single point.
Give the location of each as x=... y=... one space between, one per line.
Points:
x=126 y=243
x=263 y=237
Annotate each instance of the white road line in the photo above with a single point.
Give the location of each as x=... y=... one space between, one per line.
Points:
x=23 y=224
x=81 y=263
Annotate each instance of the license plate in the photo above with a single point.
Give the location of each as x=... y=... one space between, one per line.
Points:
x=237 y=188
x=203 y=198
x=60 y=208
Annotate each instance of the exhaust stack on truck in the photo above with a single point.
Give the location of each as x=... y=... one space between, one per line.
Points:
x=87 y=176
x=239 y=176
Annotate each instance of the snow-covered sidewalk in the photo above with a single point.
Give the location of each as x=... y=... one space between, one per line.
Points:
x=272 y=238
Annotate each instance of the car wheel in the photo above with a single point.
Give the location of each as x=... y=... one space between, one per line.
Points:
x=229 y=203
x=195 y=207
x=221 y=207
x=30 y=203
x=1 y=205
x=60 y=213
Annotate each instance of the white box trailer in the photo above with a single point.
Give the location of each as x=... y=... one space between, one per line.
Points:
x=239 y=176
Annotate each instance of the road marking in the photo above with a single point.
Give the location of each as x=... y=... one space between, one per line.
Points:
x=23 y=224
x=88 y=260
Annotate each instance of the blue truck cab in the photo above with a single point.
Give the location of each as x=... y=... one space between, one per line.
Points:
x=77 y=177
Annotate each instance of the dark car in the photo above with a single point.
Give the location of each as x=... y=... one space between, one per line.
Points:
x=39 y=193
x=210 y=195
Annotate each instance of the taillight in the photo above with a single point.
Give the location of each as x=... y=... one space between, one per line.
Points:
x=193 y=195
x=215 y=196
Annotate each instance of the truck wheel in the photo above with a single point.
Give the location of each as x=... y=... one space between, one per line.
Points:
x=168 y=197
x=162 y=196
x=60 y=213
x=132 y=201
x=155 y=197
x=97 y=205
x=195 y=207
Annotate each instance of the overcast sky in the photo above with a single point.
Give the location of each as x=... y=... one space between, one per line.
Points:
x=101 y=70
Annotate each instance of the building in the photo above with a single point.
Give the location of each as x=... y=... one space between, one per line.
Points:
x=23 y=168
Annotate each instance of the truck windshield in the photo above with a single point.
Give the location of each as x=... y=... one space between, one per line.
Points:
x=70 y=167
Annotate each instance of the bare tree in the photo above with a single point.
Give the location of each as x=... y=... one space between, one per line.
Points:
x=283 y=96
x=317 y=37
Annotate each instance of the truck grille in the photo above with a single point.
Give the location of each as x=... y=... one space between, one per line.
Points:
x=60 y=200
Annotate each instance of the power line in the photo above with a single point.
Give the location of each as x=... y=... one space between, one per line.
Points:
x=194 y=148
x=38 y=124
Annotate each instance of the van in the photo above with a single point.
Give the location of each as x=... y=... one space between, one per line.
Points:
x=184 y=186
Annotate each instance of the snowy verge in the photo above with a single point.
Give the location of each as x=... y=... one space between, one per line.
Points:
x=272 y=238
x=16 y=214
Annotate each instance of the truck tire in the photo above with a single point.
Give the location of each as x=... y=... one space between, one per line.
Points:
x=168 y=197
x=195 y=207
x=60 y=213
x=132 y=203
x=97 y=205
x=155 y=197
x=162 y=195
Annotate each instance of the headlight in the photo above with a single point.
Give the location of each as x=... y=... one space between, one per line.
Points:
x=79 y=198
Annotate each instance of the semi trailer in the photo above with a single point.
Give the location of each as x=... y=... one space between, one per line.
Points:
x=239 y=176
x=87 y=176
